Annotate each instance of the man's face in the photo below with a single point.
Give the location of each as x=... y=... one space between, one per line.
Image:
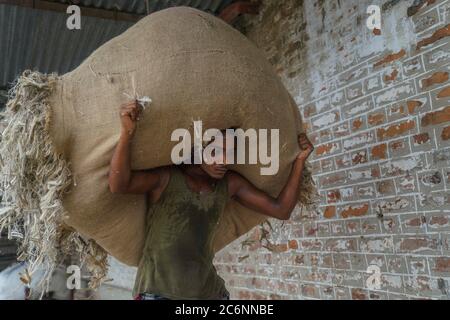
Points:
x=216 y=166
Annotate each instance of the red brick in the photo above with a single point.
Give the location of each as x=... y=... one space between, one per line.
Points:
x=310 y=230
x=435 y=78
x=444 y=93
x=352 y=226
x=343 y=161
x=379 y=151
x=413 y=105
x=421 y=138
x=333 y=196
x=309 y=111
x=357 y=123
x=437 y=35
x=326 y=149
x=244 y=295
x=375 y=119
x=293 y=244
x=327 y=164
x=390 y=58
x=442 y=264
x=436 y=117
x=391 y=77
x=333 y=179
x=278 y=248
x=299 y=259
x=416 y=244
x=329 y=212
x=359 y=294
x=398 y=110
x=414 y=222
x=291 y=288
x=359 y=157
x=417 y=5
x=445 y=134
x=310 y=291
x=396 y=130
x=341 y=130
x=355 y=210
x=312 y=245
x=325 y=120
x=386 y=187
x=422 y=285
x=438 y=221
x=258 y=296
x=339 y=245
x=397 y=146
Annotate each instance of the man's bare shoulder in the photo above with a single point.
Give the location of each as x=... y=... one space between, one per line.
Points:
x=233 y=176
x=163 y=174
x=235 y=181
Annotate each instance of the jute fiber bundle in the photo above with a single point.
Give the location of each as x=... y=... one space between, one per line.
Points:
x=194 y=67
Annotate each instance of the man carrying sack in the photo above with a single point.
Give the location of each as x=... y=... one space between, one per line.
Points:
x=187 y=202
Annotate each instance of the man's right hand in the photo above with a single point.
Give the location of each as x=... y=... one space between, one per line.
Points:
x=129 y=115
x=306 y=147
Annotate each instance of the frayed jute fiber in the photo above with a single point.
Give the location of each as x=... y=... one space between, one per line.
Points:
x=34 y=179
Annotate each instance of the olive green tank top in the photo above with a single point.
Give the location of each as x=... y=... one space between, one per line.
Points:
x=177 y=261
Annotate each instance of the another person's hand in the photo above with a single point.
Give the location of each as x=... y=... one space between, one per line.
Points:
x=129 y=115
x=306 y=147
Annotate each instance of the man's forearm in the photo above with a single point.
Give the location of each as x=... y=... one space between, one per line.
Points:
x=289 y=195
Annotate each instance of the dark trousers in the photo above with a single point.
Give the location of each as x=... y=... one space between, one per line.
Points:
x=151 y=296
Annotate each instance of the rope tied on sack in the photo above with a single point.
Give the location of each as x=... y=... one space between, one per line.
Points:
x=33 y=181
x=143 y=101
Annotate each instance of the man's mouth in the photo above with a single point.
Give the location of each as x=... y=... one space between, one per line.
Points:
x=221 y=170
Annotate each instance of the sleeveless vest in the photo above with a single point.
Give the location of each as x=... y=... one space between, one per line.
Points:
x=178 y=251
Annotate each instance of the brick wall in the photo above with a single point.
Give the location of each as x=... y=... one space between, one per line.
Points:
x=377 y=107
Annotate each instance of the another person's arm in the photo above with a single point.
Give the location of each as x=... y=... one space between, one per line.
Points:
x=121 y=178
x=281 y=207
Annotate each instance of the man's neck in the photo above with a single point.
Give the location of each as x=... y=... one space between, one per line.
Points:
x=196 y=171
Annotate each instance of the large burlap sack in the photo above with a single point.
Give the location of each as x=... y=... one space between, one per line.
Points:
x=193 y=66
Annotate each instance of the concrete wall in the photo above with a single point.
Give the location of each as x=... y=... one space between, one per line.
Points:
x=376 y=104
x=120 y=284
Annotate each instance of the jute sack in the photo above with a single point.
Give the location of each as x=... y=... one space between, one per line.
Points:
x=194 y=67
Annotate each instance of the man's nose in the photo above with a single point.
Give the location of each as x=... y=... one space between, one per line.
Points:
x=220 y=159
